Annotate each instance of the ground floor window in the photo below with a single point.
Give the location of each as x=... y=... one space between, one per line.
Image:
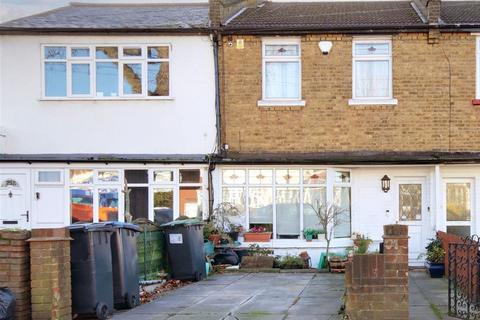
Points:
x=459 y=204
x=283 y=199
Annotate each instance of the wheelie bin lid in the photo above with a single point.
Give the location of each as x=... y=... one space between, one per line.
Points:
x=123 y=225
x=90 y=227
x=178 y=223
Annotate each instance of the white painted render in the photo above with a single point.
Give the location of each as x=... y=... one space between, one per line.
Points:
x=184 y=124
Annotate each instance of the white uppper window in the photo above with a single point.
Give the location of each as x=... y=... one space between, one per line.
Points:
x=372 y=72
x=106 y=72
x=478 y=68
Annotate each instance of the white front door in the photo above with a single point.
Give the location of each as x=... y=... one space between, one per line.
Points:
x=412 y=210
x=14 y=212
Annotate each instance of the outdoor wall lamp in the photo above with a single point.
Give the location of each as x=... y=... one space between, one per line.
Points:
x=325 y=46
x=385 y=183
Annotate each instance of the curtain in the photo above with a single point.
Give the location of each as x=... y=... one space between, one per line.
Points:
x=342 y=199
x=372 y=79
x=288 y=211
x=260 y=205
x=312 y=197
x=282 y=80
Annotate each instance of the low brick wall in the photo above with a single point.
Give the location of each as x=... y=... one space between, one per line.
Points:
x=377 y=284
x=15 y=269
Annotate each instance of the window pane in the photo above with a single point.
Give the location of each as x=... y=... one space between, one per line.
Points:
x=107 y=79
x=372 y=79
x=132 y=78
x=191 y=202
x=107 y=205
x=136 y=203
x=341 y=197
x=288 y=212
x=260 y=205
x=49 y=176
x=52 y=53
x=80 y=52
x=260 y=176
x=190 y=176
x=165 y=176
x=132 y=52
x=233 y=176
x=287 y=176
x=136 y=176
x=410 y=202
x=282 y=80
x=461 y=231
x=158 y=52
x=372 y=49
x=106 y=52
x=282 y=50
x=235 y=196
x=458 y=202
x=80 y=78
x=314 y=176
x=55 y=79
x=158 y=79
x=313 y=197
x=108 y=176
x=81 y=204
x=342 y=176
x=163 y=204
x=81 y=176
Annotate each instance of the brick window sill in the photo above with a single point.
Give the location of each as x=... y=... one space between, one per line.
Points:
x=476 y=102
x=281 y=103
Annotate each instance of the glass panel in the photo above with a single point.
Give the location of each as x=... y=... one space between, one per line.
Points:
x=108 y=176
x=313 y=197
x=372 y=79
x=372 y=49
x=342 y=176
x=80 y=52
x=132 y=78
x=136 y=176
x=136 y=203
x=191 y=202
x=461 y=231
x=55 y=79
x=107 y=205
x=260 y=176
x=106 y=52
x=52 y=53
x=81 y=204
x=49 y=176
x=163 y=204
x=10 y=183
x=260 y=205
x=458 y=202
x=410 y=202
x=190 y=176
x=235 y=196
x=164 y=176
x=282 y=80
x=107 y=79
x=80 y=78
x=287 y=176
x=314 y=176
x=132 y=52
x=158 y=52
x=275 y=50
x=158 y=79
x=81 y=176
x=233 y=176
x=288 y=212
x=341 y=198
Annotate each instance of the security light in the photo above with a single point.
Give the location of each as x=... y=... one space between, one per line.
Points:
x=325 y=46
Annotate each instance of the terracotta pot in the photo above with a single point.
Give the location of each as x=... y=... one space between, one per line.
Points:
x=215 y=238
x=257 y=236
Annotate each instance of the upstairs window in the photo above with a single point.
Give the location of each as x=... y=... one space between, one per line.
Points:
x=478 y=68
x=106 y=72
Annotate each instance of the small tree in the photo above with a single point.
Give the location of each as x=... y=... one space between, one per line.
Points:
x=222 y=215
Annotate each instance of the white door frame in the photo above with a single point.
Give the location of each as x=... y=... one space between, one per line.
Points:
x=26 y=217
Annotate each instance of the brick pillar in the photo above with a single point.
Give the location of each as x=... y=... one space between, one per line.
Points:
x=50 y=274
x=15 y=269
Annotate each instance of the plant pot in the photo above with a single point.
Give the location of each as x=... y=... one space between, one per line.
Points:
x=233 y=235
x=309 y=237
x=215 y=238
x=260 y=262
x=436 y=270
x=257 y=236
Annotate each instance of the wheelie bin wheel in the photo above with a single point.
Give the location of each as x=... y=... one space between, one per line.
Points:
x=132 y=301
x=102 y=311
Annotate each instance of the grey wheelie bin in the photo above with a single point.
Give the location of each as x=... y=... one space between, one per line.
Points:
x=184 y=240
x=125 y=265
x=91 y=265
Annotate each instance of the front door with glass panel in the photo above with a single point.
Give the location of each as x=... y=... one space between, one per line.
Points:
x=412 y=211
x=13 y=201
x=458 y=206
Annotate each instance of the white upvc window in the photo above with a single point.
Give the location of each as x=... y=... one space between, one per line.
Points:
x=372 y=72
x=106 y=71
x=281 y=72
x=477 y=95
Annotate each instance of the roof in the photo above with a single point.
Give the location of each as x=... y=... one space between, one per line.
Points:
x=328 y=16
x=461 y=13
x=111 y=17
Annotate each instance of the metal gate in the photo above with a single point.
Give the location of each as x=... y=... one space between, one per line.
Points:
x=463 y=278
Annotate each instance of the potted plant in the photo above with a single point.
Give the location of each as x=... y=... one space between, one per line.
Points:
x=311 y=233
x=235 y=230
x=435 y=259
x=211 y=233
x=361 y=243
x=257 y=234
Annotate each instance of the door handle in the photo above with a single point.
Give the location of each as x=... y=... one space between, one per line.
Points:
x=26 y=215
x=37 y=195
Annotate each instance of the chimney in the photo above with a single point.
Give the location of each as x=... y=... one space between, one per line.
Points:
x=431 y=10
x=222 y=10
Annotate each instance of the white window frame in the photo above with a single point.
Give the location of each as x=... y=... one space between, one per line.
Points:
x=38 y=182
x=121 y=60
x=477 y=93
x=281 y=101
x=372 y=100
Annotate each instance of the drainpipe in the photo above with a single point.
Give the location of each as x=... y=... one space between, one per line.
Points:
x=218 y=123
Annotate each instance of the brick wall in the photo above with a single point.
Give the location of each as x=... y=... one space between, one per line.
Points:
x=15 y=269
x=422 y=120
x=377 y=284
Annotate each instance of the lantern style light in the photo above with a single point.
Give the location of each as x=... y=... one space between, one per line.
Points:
x=385 y=183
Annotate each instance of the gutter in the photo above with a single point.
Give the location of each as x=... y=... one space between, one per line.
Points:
x=302 y=30
x=40 y=31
